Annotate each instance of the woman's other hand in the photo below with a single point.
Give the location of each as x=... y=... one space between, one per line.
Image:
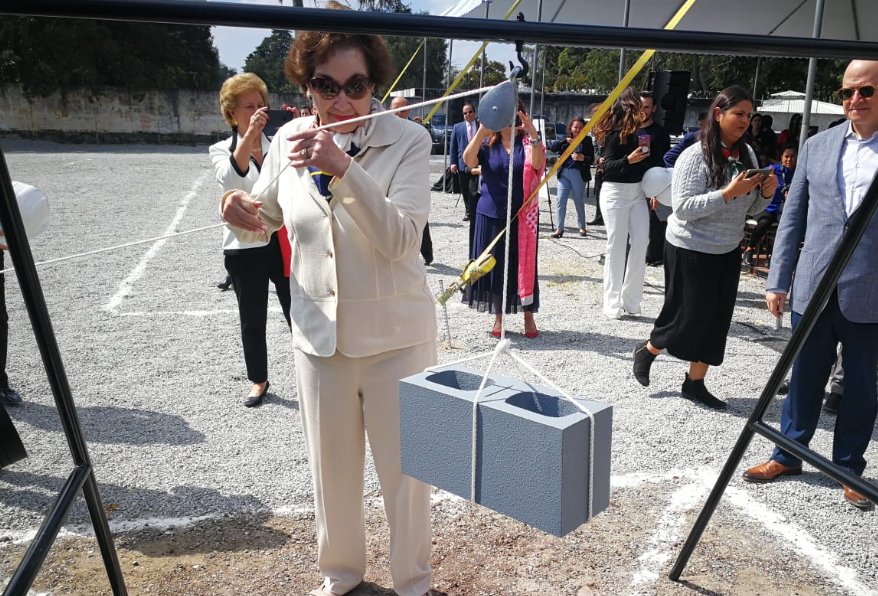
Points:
x=769 y=185
x=242 y=211
x=528 y=125
x=315 y=149
x=740 y=186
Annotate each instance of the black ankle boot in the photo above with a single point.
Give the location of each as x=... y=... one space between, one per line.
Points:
x=643 y=360
x=696 y=391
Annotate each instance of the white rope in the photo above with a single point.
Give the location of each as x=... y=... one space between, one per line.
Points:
x=271 y=183
x=504 y=346
x=117 y=247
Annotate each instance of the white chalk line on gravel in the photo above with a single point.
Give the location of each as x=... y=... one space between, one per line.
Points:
x=140 y=268
x=667 y=533
x=189 y=313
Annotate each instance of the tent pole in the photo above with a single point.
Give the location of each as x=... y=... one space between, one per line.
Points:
x=445 y=140
x=484 y=52
x=536 y=62
x=812 y=74
x=622 y=52
x=424 y=81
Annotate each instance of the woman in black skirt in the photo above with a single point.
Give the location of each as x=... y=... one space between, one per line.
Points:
x=712 y=199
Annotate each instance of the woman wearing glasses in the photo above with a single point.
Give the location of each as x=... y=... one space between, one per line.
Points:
x=355 y=201
x=713 y=197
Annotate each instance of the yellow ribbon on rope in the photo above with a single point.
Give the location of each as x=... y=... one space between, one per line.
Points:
x=469 y=64
x=402 y=72
x=596 y=117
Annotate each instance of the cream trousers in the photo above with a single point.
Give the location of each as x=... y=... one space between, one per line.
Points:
x=339 y=398
x=626 y=217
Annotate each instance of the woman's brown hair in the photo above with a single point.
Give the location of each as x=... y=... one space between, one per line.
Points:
x=313 y=48
x=711 y=137
x=623 y=115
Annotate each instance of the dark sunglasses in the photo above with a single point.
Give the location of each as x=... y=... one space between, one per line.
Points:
x=356 y=88
x=468 y=113
x=847 y=93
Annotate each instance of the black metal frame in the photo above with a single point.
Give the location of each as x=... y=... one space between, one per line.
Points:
x=278 y=17
x=82 y=476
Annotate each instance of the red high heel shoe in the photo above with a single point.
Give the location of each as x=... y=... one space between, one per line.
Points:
x=531 y=334
x=495 y=333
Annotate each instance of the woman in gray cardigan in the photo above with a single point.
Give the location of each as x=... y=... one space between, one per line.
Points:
x=712 y=198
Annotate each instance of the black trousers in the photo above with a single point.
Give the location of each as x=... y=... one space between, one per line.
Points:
x=469 y=188
x=4 y=326
x=427 y=244
x=251 y=270
x=764 y=221
x=655 y=251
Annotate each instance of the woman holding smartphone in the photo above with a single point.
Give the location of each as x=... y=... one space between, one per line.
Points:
x=713 y=196
x=623 y=205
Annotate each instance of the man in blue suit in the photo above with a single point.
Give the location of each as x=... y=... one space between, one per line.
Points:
x=835 y=170
x=461 y=135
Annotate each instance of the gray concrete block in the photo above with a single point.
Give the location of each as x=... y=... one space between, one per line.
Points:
x=533 y=446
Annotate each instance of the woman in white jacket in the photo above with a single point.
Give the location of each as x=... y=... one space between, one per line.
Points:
x=355 y=201
x=237 y=162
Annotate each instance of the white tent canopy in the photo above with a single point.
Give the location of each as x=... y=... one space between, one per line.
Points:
x=843 y=19
x=793 y=102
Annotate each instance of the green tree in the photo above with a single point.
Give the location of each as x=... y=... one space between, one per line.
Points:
x=44 y=54
x=267 y=61
x=495 y=73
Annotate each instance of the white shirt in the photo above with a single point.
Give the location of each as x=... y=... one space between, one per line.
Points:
x=856 y=168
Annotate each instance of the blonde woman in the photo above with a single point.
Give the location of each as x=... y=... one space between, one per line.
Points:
x=251 y=264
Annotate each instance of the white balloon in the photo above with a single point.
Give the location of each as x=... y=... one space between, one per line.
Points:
x=34 y=208
x=657 y=183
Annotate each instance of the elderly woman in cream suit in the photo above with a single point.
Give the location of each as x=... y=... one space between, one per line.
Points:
x=355 y=202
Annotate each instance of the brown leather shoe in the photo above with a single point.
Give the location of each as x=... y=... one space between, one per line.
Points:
x=769 y=471
x=857 y=500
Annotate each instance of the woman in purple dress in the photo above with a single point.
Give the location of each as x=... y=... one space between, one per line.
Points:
x=491 y=150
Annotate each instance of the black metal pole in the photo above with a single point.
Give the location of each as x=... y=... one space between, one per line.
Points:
x=855 y=229
x=559 y=34
x=35 y=301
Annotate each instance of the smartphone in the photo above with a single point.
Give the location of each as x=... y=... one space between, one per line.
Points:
x=517 y=121
x=758 y=172
x=643 y=142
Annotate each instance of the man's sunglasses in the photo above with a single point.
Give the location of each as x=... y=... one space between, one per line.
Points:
x=356 y=88
x=847 y=93
x=468 y=113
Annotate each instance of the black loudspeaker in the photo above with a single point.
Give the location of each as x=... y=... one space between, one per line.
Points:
x=11 y=448
x=671 y=89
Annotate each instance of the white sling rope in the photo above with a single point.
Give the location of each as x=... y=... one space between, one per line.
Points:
x=505 y=346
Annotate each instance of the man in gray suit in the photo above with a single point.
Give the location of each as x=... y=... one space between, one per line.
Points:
x=835 y=169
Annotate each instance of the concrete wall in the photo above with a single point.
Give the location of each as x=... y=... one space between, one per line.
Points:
x=118 y=115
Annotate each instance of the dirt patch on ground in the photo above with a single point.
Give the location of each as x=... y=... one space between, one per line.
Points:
x=475 y=553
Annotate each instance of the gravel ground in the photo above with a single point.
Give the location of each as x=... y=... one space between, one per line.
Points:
x=152 y=353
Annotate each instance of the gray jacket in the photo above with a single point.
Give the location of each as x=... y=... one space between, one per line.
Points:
x=815 y=210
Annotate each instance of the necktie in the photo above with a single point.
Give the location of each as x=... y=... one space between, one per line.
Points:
x=469 y=131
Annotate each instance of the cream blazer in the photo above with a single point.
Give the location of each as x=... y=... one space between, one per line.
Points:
x=356 y=281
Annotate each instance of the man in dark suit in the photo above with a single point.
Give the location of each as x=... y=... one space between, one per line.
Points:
x=461 y=135
x=660 y=143
x=835 y=169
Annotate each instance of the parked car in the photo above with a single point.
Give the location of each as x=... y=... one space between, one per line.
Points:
x=441 y=133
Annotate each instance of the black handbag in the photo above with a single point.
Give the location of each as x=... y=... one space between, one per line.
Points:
x=11 y=447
